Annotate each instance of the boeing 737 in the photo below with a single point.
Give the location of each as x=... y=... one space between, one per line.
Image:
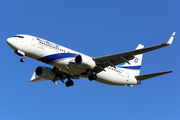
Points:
x=69 y=64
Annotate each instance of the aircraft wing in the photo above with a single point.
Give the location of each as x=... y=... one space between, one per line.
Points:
x=115 y=59
x=60 y=75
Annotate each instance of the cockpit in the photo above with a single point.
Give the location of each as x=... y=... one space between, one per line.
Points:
x=19 y=36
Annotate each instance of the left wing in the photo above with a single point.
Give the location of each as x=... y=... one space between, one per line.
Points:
x=60 y=75
x=112 y=60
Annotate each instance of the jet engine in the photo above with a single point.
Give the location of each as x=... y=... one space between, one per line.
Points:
x=85 y=62
x=45 y=72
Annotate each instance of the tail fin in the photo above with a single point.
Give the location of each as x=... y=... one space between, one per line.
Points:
x=134 y=65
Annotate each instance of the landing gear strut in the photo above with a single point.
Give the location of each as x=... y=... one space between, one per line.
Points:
x=69 y=83
x=20 y=53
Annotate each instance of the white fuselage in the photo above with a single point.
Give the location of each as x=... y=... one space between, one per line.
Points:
x=47 y=52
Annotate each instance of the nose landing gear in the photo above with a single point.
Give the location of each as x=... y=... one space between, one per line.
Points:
x=20 y=53
x=22 y=60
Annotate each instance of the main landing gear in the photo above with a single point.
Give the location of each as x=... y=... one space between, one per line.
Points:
x=69 y=83
x=92 y=77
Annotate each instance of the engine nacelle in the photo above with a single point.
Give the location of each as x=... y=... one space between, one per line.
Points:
x=85 y=62
x=45 y=72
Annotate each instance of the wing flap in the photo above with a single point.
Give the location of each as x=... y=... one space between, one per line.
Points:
x=147 y=76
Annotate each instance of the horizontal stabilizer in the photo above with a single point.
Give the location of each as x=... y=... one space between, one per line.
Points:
x=147 y=76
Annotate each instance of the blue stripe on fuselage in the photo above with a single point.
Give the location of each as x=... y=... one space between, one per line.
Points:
x=53 y=57
x=130 y=67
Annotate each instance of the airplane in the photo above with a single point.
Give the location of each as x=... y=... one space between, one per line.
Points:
x=69 y=64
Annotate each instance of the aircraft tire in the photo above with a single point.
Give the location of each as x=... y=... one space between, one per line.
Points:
x=92 y=77
x=69 y=83
x=22 y=60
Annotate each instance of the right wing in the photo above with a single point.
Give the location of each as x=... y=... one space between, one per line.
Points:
x=112 y=60
x=60 y=75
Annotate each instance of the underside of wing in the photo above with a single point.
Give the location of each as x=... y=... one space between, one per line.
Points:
x=45 y=73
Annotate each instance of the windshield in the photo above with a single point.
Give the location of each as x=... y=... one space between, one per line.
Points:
x=18 y=36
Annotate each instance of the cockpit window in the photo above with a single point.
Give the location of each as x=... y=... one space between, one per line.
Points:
x=18 y=36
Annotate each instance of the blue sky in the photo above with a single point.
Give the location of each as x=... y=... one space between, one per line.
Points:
x=95 y=28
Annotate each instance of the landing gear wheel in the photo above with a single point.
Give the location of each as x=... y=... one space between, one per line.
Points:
x=22 y=60
x=92 y=77
x=69 y=83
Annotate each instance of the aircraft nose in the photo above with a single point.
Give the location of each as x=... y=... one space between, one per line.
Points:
x=9 y=41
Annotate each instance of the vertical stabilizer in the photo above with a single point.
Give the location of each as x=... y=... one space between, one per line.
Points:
x=134 y=65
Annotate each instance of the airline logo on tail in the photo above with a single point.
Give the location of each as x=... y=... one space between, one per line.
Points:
x=136 y=60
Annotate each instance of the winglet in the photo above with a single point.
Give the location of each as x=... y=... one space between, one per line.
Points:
x=171 y=39
x=33 y=77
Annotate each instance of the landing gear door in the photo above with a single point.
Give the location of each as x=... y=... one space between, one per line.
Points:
x=33 y=42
